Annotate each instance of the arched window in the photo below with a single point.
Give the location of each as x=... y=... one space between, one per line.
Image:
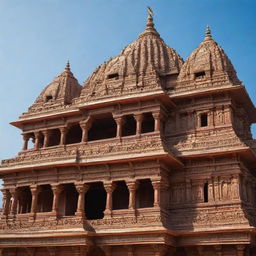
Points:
x=103 y=127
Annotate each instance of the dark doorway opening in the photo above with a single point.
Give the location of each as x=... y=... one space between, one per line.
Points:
x=145 y=194
x=102 y=128
x=129 y=126
x=45 y=199
x=205 y=192
x=68 y=200
x=54 y=137
x=148 y=123
x=74 y=134
x=120 y=196
x=24 y=200
x=95 y=201
x=203 y=120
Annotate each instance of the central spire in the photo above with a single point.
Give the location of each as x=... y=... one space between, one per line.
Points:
x=150 y=27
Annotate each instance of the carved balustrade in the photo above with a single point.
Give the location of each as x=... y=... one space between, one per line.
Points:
x=93 y=149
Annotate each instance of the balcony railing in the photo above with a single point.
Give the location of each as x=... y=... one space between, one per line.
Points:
x=150 y=142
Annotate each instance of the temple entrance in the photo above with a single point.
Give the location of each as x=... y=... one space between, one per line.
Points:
x=95 y=201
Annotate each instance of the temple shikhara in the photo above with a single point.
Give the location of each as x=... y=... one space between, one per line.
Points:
x=151 y=156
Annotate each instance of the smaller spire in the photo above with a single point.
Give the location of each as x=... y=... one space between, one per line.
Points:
x=208 y=34
x=67 y=68
x=150 y=27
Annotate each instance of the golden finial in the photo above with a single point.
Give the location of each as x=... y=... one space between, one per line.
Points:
x=208 y=34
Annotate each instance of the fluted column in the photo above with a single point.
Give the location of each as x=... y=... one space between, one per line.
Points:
x=81 y=189
x=14 y=195
x=46 y=138
x=25 y=141
x=132 y=186
x=119 y=123
x=63 y=131
x=109 y=187
x=139 y=119
x=34 y=192
x=56 y=189
x=6 y=201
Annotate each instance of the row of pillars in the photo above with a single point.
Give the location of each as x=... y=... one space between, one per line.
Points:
x=86 y=125
x=81 y=188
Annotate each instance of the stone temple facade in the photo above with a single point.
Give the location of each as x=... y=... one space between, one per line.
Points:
x=151 y=156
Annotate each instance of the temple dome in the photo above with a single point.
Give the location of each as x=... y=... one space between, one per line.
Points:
x=62 y=89
x=208 y=58
x=145 y=55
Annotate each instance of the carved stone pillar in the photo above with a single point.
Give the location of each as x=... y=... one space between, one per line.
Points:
x=159 y=250
x=157 y=118
x=218 y=250
x=216 y=188
x=52 y=251
x=34 y=193
x=25 y=141
x=139 y=119
x=46 y=138
x=244 y=189
x=235 y=187
x=14 y=195
x=119 y=122
x=109 y=187
x=157 y=185
x=6 y=201
x=132 y=186
x=107 y=250
x=56 y=189
x=130 y=250
x=200 y=250
x=85 y=126
x=240 y=250
x=63 y=131
x=211 y=190
x=37 y=135
x=81 y=189
x=188 y=190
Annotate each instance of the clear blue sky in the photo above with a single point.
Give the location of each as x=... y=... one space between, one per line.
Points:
x=37 y=37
